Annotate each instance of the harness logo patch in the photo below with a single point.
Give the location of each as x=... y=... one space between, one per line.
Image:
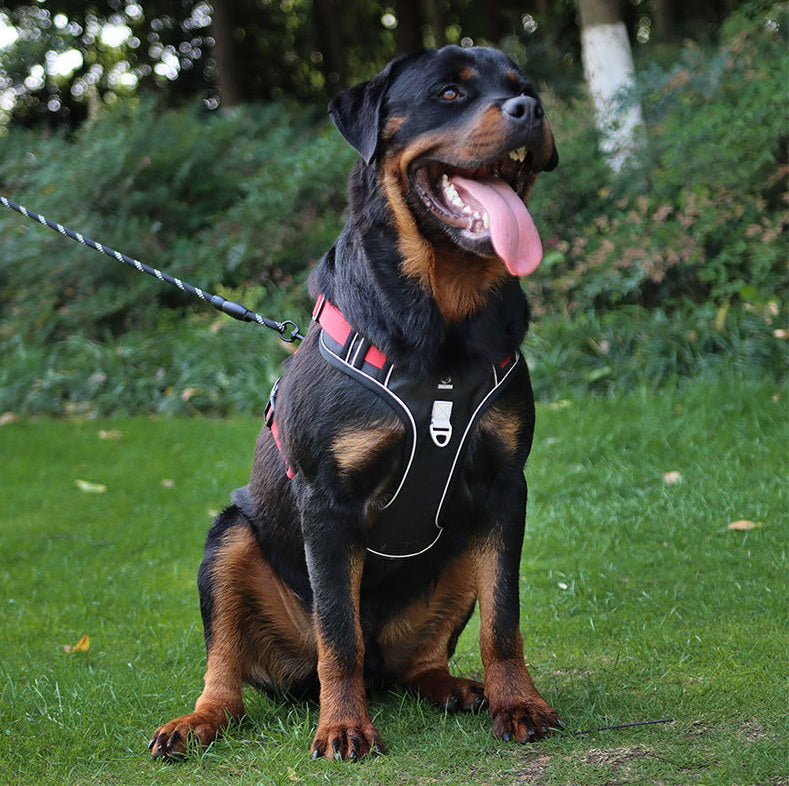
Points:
x=440 y=425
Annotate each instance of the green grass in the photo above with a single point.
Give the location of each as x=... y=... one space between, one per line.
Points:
x=638 y=603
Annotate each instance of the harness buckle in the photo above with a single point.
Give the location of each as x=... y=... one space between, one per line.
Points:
x=268 y=414
x=440 y=425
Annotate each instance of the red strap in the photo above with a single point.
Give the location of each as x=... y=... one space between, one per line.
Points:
x=331 y=319
x=275 y=433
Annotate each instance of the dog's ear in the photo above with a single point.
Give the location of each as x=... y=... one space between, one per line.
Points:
x=357 y=111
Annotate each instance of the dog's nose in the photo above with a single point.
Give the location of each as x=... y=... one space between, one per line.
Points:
x=523 y=109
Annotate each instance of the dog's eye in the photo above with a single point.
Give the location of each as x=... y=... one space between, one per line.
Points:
x=449 y=93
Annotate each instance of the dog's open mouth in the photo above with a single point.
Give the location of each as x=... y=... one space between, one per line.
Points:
x=483 y=209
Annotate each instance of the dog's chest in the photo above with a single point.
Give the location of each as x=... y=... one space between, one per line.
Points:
x=439 y=417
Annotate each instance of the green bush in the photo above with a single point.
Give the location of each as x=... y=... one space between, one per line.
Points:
x=220 y=201
x=698 y=216
x=673 y=266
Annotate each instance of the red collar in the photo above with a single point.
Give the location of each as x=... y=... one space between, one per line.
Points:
x=330 y=318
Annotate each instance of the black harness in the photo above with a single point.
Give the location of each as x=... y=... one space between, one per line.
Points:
x=439 y=416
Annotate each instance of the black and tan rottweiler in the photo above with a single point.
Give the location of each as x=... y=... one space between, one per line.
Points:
x=387 y=494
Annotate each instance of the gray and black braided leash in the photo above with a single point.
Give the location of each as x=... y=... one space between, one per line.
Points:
x=288 y=330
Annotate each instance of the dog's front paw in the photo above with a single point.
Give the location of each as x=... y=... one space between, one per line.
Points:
x=525 y=721
x=346 y=741
x=171 y=740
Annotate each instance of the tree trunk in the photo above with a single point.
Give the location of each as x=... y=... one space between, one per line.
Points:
x=663 y=18
x=608 y=67
x=409 y=22
x=334 y=61
x=223 y=25
x=436 y=18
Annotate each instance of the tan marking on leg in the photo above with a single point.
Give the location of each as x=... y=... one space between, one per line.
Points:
x=259 y=633
x=344 y=726
x=257 y=619
x=518 y=709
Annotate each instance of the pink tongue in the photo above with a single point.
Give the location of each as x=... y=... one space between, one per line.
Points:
x=512 y=232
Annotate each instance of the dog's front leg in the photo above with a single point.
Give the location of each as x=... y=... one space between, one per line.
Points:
x=335 y=560
x=518 y=710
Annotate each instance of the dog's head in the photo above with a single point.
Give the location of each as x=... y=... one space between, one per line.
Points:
x=458 y=137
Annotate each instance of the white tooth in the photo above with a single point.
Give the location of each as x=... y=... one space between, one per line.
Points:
x=486 y=220
x=451 y=192
x=467 y=210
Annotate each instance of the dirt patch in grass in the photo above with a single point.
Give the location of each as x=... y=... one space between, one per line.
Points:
x=618 y=759
x=532 y=770
x=699 y=729
x=752 y=731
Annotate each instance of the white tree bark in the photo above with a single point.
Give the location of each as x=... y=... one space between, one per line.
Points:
x=609 y=72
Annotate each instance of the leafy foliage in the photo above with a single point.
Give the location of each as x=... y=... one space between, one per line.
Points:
x=70 y=56
x=699 y=215
x=189 y=193
x=674 y=266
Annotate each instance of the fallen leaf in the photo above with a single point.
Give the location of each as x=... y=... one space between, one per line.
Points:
x=7 y=418
x=90 y=488
x=672 y=477
x=83 y=645
x=112 y=434
x=743 y=524
x=188 y=393
x=168 y=483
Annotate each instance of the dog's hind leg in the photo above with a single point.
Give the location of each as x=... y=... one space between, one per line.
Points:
x=416 y=645
x=256 y=630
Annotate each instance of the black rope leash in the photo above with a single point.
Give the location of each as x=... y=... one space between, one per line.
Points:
x=621 y=726
x=288 y=330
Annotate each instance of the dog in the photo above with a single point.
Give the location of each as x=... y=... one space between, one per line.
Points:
x=387 y=495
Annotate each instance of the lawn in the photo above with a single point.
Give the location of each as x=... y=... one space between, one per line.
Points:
x=640 y=602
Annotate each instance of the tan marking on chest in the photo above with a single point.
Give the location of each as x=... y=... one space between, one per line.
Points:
x=459 y=282
x=357 y=448
x=503 y=426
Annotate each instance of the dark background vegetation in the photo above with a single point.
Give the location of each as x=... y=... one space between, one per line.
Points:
x=200 y=145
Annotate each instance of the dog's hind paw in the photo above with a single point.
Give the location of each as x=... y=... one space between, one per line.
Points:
x=453 y=694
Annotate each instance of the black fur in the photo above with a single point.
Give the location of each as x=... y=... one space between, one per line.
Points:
x=312 y=529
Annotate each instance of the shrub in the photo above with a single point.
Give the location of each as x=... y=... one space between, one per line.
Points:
x=189 y=193
x=699 y=215
x=674 y=265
